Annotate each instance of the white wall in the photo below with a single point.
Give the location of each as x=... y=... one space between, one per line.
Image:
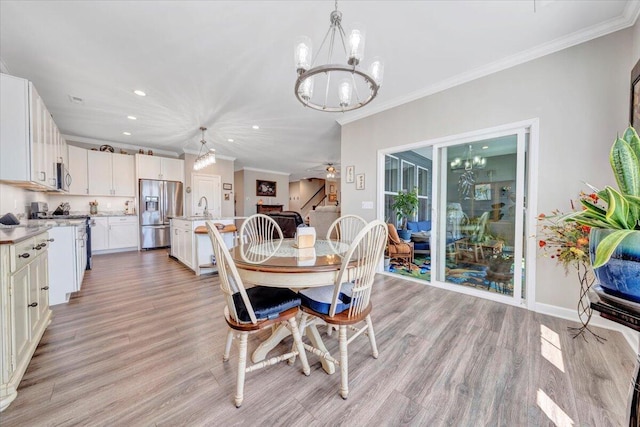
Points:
x=17 y=201
x=580 y=95
x=249 y=177
x=636 y=42
x=221 y=167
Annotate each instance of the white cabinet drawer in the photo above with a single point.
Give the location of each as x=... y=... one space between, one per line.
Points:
x=22 y=253
x=131 y=219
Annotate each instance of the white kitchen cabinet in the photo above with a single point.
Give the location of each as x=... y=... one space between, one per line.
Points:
x=99 y=233
x=195 y=250
x=161 y=168
x=111 y=174
x=68 y=261
x=24 y=308
x=78 y=169
x=30 y=142
x=182 y=243
x=123 y=232
x=114 y=233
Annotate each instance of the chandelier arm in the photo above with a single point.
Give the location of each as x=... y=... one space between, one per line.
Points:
x=342 y=37
x=355 y=87
x=321 y=46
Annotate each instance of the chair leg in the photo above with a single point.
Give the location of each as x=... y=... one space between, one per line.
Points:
x=297 y=339
x=227 y=347
x=372 y=337
x=242 y=365
x=344 y=363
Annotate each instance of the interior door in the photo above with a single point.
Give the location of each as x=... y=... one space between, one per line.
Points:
x=208 y=186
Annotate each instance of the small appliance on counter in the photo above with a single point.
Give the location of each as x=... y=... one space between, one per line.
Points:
x=9 y=219
x=38 y=210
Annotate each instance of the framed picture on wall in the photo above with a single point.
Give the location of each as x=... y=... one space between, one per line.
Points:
x=333 y=197
x=350 y=177
x=483 y=192
x=227 y=186
x=265 y=188
x=634 y=114
x=360 y=181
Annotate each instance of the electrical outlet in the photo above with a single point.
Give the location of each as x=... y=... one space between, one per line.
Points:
x=367 y=205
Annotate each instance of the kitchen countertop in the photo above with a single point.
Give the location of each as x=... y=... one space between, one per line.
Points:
x=15 y=234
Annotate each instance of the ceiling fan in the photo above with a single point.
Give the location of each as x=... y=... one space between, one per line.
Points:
x=331 y=170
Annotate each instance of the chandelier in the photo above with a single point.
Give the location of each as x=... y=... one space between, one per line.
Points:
x=207 y=158
x=469 y=163
x=331 y=171
x=336 y=83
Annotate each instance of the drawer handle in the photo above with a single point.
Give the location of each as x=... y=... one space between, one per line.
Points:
x=51 y=240
x=46 y=288
x=43 y=245
x=33 y=304
x=24 y=255
x=37 y=247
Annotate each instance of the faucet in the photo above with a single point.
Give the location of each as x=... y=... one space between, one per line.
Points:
x=206 y=205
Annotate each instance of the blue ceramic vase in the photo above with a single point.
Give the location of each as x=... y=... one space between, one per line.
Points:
x=620 y=276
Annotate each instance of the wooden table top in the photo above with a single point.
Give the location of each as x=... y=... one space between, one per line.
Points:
x=284 y=257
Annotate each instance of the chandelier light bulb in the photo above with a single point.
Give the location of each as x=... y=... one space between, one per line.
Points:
x=344 y=92
x=302 y=53
x=376 y=69
x=356 y=44
x=306 y=89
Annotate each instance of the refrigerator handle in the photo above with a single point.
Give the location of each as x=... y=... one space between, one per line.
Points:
x=161 y=202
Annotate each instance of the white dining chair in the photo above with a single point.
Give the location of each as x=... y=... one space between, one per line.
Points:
x=346 y=228
x=346 y=303
x=259 y=228
x=252 y=310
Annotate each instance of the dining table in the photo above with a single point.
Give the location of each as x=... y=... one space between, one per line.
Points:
x=281 y=263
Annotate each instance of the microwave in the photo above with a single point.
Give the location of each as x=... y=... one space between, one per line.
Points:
x=63 y=178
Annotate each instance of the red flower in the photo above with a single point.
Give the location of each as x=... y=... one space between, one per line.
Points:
x=542 y=243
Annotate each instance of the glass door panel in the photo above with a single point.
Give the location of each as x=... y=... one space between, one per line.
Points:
x=478 y=202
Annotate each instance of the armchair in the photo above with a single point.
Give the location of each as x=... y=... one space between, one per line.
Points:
x=396 y=247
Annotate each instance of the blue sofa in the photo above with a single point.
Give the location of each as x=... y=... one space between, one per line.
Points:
x=420 y=245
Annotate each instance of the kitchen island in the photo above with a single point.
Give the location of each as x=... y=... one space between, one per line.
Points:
x=194 y=249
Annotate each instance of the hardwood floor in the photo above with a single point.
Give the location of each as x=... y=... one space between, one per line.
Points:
x=142 y=344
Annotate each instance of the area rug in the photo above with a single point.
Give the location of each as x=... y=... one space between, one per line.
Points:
x=472 y=275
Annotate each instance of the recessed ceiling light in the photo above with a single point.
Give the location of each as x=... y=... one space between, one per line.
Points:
x=255 y=127
x=132 y=118
x=230 y=140
x=76 y=99
x=484 y=147
x=126 y=133
x=139 y=92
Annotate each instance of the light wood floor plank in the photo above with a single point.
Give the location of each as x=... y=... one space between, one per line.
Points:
x=142 y=343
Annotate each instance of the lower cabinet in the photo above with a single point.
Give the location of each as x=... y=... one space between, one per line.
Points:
x=24 y=309
x=192 y=249
x=114 y=233
x=67 y=262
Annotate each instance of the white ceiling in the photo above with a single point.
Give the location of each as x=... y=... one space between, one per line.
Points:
x=228 y=65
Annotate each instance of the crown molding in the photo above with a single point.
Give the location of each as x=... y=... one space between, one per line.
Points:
x=627 y=19
x=98 y=142
x=265 y=171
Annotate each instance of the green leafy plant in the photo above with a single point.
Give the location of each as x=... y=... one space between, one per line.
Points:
x=613 y=209
x=406 y=205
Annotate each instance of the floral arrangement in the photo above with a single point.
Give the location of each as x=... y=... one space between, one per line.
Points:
x=566 y=242
x=94 y=203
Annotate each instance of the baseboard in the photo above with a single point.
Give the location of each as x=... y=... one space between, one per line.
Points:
x=632 y=337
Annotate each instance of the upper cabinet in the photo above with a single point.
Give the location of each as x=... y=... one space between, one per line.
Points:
x=30 y=143
x=111 y=174
x=163 y=168
x=78 y=170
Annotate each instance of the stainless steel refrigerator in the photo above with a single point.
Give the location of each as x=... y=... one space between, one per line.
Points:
x=159 y=202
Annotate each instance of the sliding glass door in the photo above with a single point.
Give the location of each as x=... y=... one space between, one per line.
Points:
x=468 y=234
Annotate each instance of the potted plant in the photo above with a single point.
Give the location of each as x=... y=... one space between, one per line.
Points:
x=405 y=205
x=614 y=218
